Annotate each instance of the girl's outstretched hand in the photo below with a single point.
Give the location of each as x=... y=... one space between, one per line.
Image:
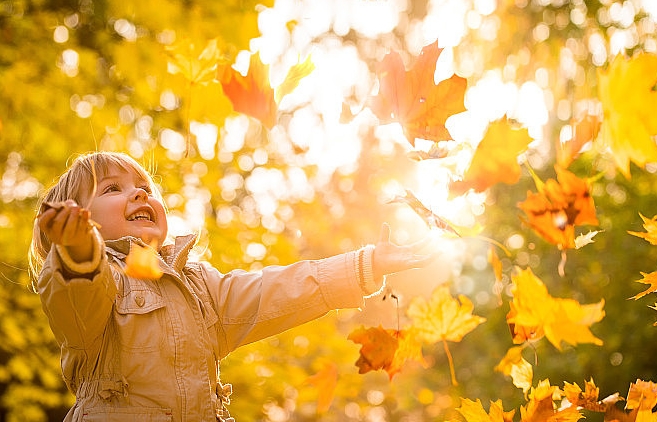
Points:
x=389 y=258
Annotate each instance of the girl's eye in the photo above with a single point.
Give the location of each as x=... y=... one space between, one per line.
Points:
x=111 y=188
x=146 y=188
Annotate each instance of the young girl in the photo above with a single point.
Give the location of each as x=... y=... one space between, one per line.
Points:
x=149 y=350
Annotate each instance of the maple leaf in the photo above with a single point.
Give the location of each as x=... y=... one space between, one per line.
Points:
x=587 y=399
x=585 y=130
x=562 y=320
x=642 y=396
x=496 y=158
x=413 y=99
x=197 y=67
x=559 y=206
x=647 y=279
x=143 y=262
x=515 y=366
x=650 y=225
x=385 y=349
x=252 y=94
x=427 y=215
x=325 y=380
x=474 y=411
x=443 y=318
x=627 y=92
x=541 y=407
x=585 y=239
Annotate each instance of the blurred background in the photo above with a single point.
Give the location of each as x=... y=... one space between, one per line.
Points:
x=89 y=75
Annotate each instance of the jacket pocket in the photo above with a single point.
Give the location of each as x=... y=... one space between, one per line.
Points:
x=140 y=319
x=124 y=414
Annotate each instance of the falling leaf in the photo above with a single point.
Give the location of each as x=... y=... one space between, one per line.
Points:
x=197 y=67
x=427 y=215
x=627 y=92
x=541 y=408
x=443 y=318
x=496 y=158
x=515 y=366
x=294 y=76
x=325 y=381
x=143 y=262
x=474 y=412
x=562 y=320
x=385 y=349
x=647 y=279
x=642 y=396
x=587 y=399
x=252 y=94
x=585 y=130
x=650 y=225
x=558 y=207
x=585 y=239
x=412 y=98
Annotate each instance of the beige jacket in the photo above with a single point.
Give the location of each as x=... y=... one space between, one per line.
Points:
x=139 y=350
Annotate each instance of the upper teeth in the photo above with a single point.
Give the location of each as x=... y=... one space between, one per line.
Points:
x=140 y=215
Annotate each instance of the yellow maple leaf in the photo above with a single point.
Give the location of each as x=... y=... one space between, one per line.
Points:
x=626 y=91
x=562 y=320
x=515 y=366
x=196 y=65
x=474 y=411
x=647 y=279
x=292 y=79
x=443 y=318
x=143 y=262
x=650 y=225
x=496 y=158
x=642 y=396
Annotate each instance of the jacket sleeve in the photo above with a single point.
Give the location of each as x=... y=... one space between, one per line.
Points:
x=256 y=305
x=77 y=297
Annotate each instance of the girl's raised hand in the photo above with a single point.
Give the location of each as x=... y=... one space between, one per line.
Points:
x=67 y=224
x=389 y=258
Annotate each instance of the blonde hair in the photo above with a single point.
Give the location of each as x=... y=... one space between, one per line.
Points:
x=79 y=183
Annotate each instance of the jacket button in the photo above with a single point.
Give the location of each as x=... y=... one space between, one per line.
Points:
x=139 y=300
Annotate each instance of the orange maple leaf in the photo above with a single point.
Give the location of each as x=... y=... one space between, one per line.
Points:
x=558 y=207
x=562 y=320
x=627 y=93
x=143 y=262
x=585 y=130
x=252 y=94
x=496 y=158
x=413 y=99
x=541 y=407
x=474 y=411
x=385 y=349
x=325 y=380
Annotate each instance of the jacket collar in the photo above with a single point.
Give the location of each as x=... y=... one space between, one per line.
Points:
x=174 y=255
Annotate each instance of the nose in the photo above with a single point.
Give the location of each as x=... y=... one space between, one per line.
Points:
x=140 y=194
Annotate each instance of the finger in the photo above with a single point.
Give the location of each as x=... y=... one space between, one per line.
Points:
x=384 y=237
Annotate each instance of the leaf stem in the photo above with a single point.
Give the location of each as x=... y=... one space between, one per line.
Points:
x=451 y=363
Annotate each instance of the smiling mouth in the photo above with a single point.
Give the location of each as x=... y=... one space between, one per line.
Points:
x=141 y=216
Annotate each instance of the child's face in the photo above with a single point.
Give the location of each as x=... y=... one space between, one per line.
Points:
x=123 y=206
